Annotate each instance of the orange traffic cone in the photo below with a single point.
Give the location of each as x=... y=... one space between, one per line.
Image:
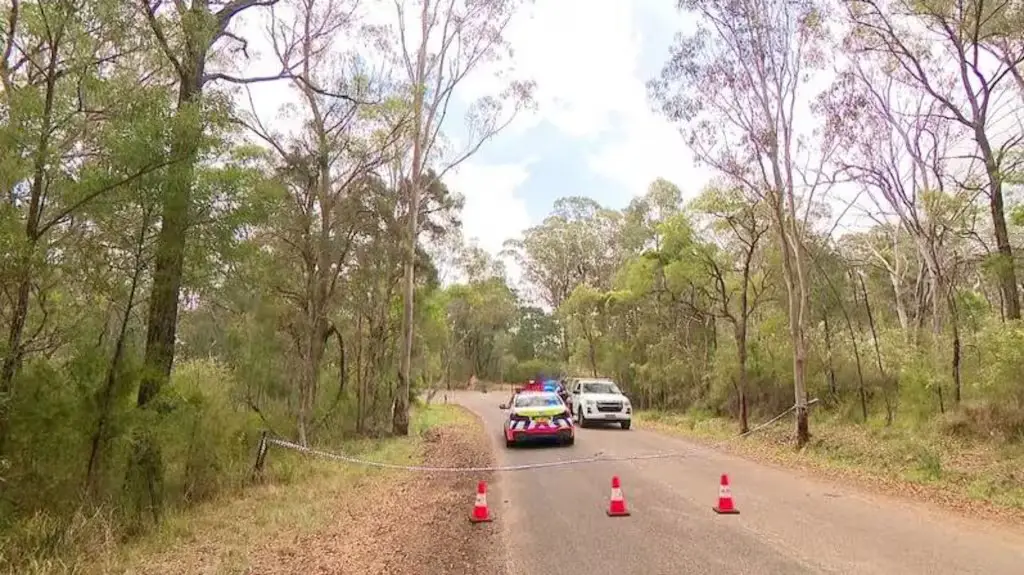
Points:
x=725 y=505
x=480 y=512
x=617 y=505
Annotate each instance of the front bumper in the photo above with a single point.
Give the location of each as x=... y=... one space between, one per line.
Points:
x=518 y=431
x=517 y=436
x=592 y=414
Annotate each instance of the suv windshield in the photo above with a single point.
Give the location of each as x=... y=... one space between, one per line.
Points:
x=537 y=401
x=600 y=387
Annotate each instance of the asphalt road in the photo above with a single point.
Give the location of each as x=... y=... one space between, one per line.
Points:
x=554 y=519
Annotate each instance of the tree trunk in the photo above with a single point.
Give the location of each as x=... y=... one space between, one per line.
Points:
x=937 y=332
x=1007 y=274
x=803 y=433
x=856 y=354
x=19 y=315
x=921 y=299
x=400 y=415
x=741 y=384
x=954 y=322
x=592 y=349
x=170 y=246
x=832 y=389
x=162 y=320
x=116 y=361
x=796 y=284
x=360 y=389
x=313 y=355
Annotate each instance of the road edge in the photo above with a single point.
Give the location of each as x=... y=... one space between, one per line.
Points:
x=469 y=547
x=915 y=494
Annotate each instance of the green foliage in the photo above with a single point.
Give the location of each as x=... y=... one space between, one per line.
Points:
x=125 y=174
x=666 y=322
x=206 y=439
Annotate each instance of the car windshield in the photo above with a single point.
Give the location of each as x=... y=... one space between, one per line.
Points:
x=600 y=387
x=537 y=400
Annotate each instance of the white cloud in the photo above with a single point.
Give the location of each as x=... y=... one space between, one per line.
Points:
x=492 y=212
x=578 y=52
x=585 y=58
x=651 y=148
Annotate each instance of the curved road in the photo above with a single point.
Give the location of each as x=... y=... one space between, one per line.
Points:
x=554 y=518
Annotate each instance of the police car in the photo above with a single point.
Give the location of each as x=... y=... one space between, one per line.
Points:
x=538 y=416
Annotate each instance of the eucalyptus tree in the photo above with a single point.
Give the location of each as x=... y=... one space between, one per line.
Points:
x=437 y=44
x=738 y=85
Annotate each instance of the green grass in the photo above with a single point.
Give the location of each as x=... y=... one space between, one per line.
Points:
x=439 y=415
x=957 y=472
x=282 y=505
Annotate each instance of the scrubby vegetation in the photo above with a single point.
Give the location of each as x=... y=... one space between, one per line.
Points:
x=183 y=267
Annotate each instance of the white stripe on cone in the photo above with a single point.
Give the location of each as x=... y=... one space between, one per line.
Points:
x=481 y=500
x=616 y=494
x=724 y=491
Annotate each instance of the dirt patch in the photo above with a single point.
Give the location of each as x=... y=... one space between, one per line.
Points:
x=334 y=518
x=414 y=523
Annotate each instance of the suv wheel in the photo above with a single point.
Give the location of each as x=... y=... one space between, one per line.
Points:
x=581 y=419
x=626 y=424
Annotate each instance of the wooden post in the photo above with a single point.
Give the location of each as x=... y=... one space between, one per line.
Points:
x=261 y=456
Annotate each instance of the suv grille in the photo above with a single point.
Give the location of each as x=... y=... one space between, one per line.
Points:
x=609 y=406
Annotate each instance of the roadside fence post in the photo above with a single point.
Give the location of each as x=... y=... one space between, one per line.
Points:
x=261 y=456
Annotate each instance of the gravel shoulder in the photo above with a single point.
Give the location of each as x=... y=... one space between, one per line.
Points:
x=976 y=481
x=340 y=519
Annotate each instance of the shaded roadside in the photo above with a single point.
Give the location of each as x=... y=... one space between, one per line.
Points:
x=343 y=519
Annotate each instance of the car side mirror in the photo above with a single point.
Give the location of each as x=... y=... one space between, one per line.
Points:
x=503 y=406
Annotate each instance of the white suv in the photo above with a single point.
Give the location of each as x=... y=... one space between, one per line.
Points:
x=596 y=399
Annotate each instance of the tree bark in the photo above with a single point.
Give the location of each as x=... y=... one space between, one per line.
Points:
x=741 y=358
x=400 y=415
x=831 y=375
x=1007 y=273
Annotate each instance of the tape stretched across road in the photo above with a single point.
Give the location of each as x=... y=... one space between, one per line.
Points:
x=597 y=458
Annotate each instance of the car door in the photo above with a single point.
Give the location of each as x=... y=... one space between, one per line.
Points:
x=575 y=394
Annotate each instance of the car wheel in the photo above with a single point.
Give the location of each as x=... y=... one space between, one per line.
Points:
x=626 y=424
x=510 y=443
x=570 y=441
x=581 y=419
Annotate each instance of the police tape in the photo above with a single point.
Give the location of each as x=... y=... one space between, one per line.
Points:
x=598 y=458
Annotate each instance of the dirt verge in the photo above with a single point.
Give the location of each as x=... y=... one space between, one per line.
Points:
x=344 y=519
x=416 y=523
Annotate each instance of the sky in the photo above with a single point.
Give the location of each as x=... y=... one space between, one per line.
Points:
x=593 y=131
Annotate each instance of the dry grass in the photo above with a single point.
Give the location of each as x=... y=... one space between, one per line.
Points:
x=312 y=516
x=970 y=476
